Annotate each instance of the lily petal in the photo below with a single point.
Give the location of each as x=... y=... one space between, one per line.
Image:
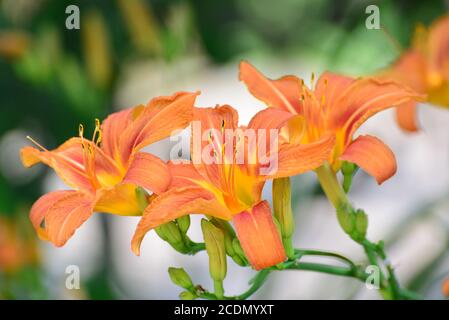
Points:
x=40 y=209
x=329 y=87
x=120 y=199
x=273 y=123
x=158 y=120
x=208 y=137
x=66 y=215
x=364 y=98
x=373 y=156
x=439 y=45
x=149 y=172
x=176 y=203
x=259 y=237
x=294 y=159
x=113 y=127
x=284 y=93
x=66 y=160
x=406 y=116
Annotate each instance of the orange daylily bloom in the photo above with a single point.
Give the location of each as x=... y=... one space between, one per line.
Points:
x=445 y=287
x=230 y=189
x=17 y=249
x=106 y=171
x=425 y=68
x=338 y=105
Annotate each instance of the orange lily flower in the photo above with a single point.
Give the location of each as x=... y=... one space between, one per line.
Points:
x=17 y=248
x=338 y=105
x=230 y=189
x=106 y=171
x=425 y=68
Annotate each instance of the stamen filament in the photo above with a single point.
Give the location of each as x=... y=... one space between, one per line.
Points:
x=36 y=143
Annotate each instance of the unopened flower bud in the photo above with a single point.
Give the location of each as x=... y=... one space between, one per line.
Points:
x=361 y=223
x=215 y=247
x=348 y=169
x=283 y=213
x=282 y=206
x=170 y=233
x=229 y=236
x=238 y=250
x=142 y=198
x=187 y=295
x=180 y=278
x=183 y=223
x=346 y=218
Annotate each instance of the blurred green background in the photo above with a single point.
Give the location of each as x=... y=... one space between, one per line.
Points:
x=52 y=79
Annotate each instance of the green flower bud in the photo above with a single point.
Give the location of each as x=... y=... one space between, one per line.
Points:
x=346 y=218
x=282 y=206
x=142 y=198
x=228 y=233
x=348 y=169
x=170 y=233
x=180 y=278
x=183 y=223
x=187 y=295
x=215 y=247
x=239 y=254
x=361 y=223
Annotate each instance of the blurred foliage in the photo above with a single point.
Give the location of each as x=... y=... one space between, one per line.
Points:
x=52 y=78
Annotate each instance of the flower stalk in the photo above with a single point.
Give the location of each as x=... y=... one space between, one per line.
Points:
x=355 y=223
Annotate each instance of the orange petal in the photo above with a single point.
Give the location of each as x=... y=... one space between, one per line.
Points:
x=158 y=120
x=120 y=199
x=445 y=288
x=40 y=209
x=329 y=87
x=176 y=203
x=112 y=129
x=284 y=93
x=185 y=174
x=66 y=160
x=208 y=128
x=364 y=98
x=149 y=172
x=406 y=116
x=410 y=70
x=259 y=236
x=269 y=119
x=66 y=215
x=439 y=45
x=294 y=159
x=273 y=121
x=373 y=156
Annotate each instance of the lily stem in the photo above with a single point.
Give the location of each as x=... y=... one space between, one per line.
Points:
x=374 y=252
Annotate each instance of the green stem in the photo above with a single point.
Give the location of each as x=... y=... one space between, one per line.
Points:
x=218 y=289
x=195 y=247
x=356 y=272
x=309 y=252
x=338 y=198
x=256 y=283
x=351 y=271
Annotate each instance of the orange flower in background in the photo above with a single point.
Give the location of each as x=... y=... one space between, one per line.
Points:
x=106 y=171
x=445 y=288
x=230 y=186
x=17 y=249
x=424 y=68
x=338 y=105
